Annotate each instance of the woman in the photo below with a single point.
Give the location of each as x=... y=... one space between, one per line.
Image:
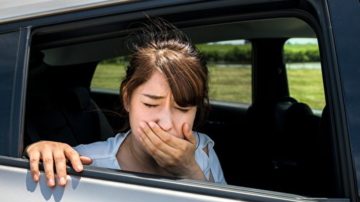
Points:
x=166 y=84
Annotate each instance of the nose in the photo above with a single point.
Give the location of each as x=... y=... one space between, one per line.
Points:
x=165 y=120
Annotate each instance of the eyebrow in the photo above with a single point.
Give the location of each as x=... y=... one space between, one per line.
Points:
x=155 y=97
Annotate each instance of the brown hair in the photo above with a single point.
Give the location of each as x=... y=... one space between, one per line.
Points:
x=168 y=50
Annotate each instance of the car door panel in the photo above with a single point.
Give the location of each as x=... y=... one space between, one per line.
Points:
x=96 y=184
x=19 y=182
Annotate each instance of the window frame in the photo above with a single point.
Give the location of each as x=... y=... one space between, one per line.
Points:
x=13 y=140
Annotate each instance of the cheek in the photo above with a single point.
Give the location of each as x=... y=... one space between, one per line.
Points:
x=142 y=114
x=181 y=119
x=136 y=115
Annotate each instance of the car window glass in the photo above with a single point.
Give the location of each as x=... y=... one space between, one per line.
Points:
x=229 y=63
x=7 y=71
x=109 y=73
x=304 y=75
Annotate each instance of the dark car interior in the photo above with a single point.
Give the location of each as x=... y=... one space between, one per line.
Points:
x=275 y=143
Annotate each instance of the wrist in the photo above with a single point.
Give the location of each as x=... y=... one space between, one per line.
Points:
x=195 y=173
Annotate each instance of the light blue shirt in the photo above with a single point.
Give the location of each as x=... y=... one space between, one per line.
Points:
x=104 y=153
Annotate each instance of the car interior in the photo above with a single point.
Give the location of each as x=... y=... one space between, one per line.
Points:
x=275 y=143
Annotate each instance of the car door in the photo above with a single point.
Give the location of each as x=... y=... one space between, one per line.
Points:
x=96 y=184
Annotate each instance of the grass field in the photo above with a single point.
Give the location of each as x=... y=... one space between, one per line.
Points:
x=233 y=84
x=302 y=47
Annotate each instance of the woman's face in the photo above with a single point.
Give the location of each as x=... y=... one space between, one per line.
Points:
x=153 y=101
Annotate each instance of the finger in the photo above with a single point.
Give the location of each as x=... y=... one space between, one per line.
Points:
x=159 y=161
x=74 y=158
x=189 y=135
x=34 y=165
x=86 y=160
x=166 y=137
x=156 y=140
x=48 y=167
x=60 y=164
x=155 y=152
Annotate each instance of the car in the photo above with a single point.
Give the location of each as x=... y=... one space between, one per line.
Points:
x=52 y=55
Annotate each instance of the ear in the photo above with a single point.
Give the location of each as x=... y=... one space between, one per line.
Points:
x=125 y=101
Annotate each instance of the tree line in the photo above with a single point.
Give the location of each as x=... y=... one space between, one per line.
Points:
x=243 y=56
x=240 y=56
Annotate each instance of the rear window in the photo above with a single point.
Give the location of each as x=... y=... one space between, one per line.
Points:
x=229 y=64
x=304 y=74
x=109 y=73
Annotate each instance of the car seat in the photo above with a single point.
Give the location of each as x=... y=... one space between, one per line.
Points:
x=68 y=116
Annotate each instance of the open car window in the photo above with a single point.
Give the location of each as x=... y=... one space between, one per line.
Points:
x=245 y=72
x=303 y=67
x=267 y=111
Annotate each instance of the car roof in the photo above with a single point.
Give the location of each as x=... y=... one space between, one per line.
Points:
x=12 y=10
x=84 y=52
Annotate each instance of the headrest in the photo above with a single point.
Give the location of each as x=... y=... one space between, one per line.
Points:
x=281 y=108
x=77 y=98
x=299 y=109
x=297 y=115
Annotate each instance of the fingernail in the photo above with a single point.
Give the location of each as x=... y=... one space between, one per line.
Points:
x=51 y=182
x=151 y=124
x=79 y=167
x=142 y=124
x=62 y=181
x=35 y=177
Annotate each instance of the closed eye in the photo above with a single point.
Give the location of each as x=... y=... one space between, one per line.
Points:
x=150 y=105
x=183 y=109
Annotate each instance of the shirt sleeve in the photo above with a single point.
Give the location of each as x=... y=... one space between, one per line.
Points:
x=96 y=149
x=208 y=162
x=103 y=154
x=215 y=168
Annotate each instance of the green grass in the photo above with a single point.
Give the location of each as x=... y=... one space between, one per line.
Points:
x=230 y=84
x=108 y=76
x=301 y=47
x=233 y=84
x=306 y=85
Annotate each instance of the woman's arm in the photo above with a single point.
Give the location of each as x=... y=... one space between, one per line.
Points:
x=50 y=152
